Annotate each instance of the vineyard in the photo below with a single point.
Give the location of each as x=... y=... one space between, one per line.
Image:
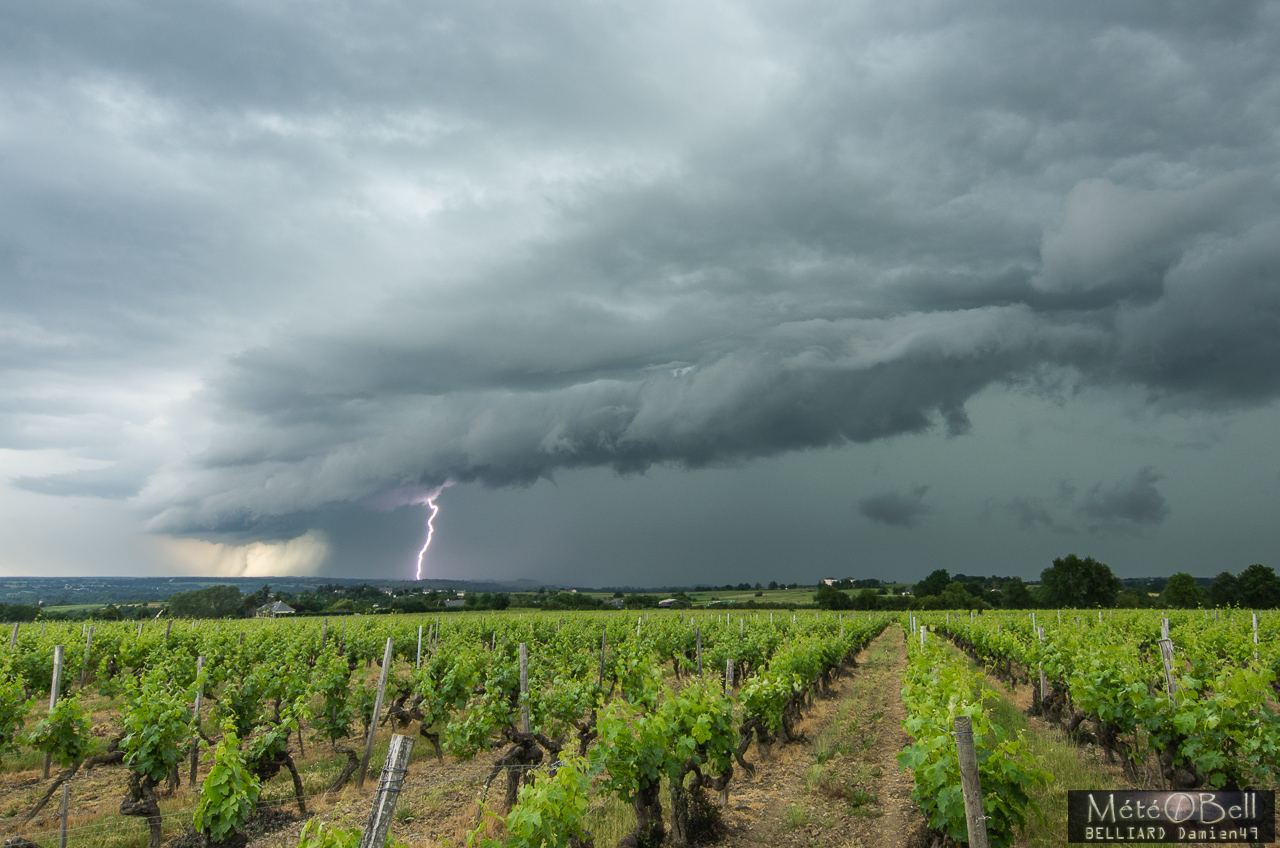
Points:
x=587 y=728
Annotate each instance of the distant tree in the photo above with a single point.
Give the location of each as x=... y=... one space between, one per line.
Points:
x=1259 y=587
x=19 y=612
x=261 y=596
x=954 y=596
x=934 y=584
x=758 y=588
x=1181 y=592
x=1225 y=590
x=867 y=599
x=642 y=602
x=411 y=603
x=210 y=602
x=773 y=584
x=1075 y=582
x=1134 y=599
x=831 y=598
x=894 y=602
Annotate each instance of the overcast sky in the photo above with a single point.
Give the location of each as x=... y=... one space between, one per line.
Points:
x=649 y=292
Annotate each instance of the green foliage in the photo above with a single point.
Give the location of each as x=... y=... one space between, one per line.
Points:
x=1225 y=590
x=1259 y=587
x=63 y=733
x=13 y=709
x=938 y=688
x=1015 y=595
x=230 y=791
x=157 y=725
x=548 y=812
x=1078 y=583
x=831 y=598
x=211 y=602
x=332 y=680
x=933 y=584
x=318 y=835
x=1181 y=592
x=765 y=697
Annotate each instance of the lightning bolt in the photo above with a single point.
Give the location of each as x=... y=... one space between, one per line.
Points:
x=430 y=502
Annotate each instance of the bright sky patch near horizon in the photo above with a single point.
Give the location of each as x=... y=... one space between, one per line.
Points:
x=670 y=294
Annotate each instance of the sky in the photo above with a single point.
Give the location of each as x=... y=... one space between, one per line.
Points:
x=641 y=293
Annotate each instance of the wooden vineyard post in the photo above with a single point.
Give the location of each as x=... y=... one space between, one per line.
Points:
x=13 y=640
x=324 y=633
x=84 y=666
x=62 y=816
x=524 y=688
x=1166 y=657
x=195 y=741
x=58 y=651
x=1044 y=686
x=698 y=633
x=1255 y=635
x=390 y=783
x=418 y=662
x=377 y=710
x=728 y=676
x=923 y=629
x=974 y=816
x=168 y=630
x=604 y=643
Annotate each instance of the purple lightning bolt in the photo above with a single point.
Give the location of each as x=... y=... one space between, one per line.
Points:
x=430 y=502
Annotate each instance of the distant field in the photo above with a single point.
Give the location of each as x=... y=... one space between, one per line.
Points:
x=79 y=607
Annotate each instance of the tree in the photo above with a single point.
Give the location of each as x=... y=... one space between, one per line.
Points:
x=831 y=598
x=1259 y=587
x=1225 y=590
x=934 y=584
x=1181 y=592
x=773 y=584
x=1075 y=582
x=211 y=602
x=1134 y=599
x=867 y=599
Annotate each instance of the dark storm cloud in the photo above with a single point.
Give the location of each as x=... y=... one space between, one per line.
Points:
x=896 y=509
x=1127 y=505
x=397 y=247
x=1031 y=514
x=119 y=480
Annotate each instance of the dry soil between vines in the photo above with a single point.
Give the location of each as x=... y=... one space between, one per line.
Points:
x=797 y=800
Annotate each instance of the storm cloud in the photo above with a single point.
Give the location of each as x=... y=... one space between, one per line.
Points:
x=1126 y=505
x=261 y=264
x=896 y=509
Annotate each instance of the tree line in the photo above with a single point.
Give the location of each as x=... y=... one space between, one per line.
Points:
x=1070 y=582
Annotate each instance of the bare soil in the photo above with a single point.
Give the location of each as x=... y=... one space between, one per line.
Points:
x=798 y=800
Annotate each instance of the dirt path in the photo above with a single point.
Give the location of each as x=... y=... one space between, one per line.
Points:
x=842 y=786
